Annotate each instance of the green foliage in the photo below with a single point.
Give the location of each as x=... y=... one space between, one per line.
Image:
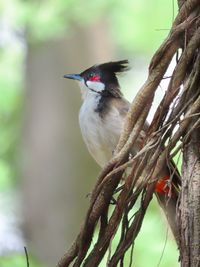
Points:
x=135 y=25
x=139 y=25
x=18 y=260
x=5 y=173
x=10 y=110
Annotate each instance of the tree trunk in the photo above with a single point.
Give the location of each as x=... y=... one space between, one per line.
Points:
x=190 y=203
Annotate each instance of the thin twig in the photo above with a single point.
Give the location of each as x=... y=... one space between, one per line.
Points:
x=27 y=258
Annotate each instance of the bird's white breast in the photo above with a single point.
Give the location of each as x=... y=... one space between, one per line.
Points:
x=101 y=134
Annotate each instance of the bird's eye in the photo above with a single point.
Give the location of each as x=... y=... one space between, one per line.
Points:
x=94 y=78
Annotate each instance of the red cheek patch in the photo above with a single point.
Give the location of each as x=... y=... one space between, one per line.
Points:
x=95 y=79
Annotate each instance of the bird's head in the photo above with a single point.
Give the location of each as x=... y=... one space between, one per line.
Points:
x=102 y=78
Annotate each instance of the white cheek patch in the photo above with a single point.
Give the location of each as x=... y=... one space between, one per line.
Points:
x=96 y=86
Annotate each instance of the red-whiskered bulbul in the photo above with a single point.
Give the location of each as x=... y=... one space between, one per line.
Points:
x=101 y=120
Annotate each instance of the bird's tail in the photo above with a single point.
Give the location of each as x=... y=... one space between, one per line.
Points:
x=167 y=192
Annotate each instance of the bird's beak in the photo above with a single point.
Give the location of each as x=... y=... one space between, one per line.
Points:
x=73 y=77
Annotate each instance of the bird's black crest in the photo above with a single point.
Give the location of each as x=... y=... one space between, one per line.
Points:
x=107 y=73
x=115 y=67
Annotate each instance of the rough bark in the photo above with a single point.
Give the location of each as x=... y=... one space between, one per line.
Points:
x=189 y=215
x=190 y=203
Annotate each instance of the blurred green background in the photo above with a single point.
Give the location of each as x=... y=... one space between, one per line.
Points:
x=45 y=169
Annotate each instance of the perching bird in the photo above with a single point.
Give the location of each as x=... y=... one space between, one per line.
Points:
x=101 y=120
